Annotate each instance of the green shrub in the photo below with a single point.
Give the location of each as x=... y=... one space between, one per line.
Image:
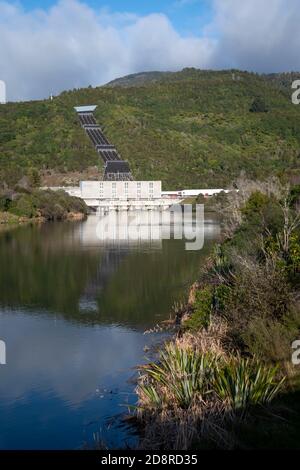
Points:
x=4 y=203
x=270 y=340
x=245 y=382
x=294 y=252
x=220 y=259
x=203 y=305
x=24 y=206
x=261 y=213
x=295 y=195
x=52 y=205
x=258 y=106
x=258 y=291
x=34 y=177
x=255 y=204
x=221 y=297
x=181 y=376
x=184 y=378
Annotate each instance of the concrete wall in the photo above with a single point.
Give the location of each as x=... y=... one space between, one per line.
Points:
x=121 y=190
x=121 y=195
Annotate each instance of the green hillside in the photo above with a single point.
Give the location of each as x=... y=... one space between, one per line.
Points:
x=191 y=128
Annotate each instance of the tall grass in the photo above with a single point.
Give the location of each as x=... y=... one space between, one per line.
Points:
x=198 y=394
x=244 y=382
x=185 y=377
x=181 y=376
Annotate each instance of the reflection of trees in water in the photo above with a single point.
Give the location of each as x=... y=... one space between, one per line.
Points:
x=109 y=264
x=48 y=268
x=42 y=270
x=143 y=289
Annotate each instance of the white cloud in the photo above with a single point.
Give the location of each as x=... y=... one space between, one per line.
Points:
x=72 y=45
x=153 y=43
x=256 y=35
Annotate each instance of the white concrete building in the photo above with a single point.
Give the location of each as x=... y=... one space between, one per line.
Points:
x=120 y=190
x=121 y=195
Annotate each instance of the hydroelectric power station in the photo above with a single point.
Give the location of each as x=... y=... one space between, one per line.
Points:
x=117 y=190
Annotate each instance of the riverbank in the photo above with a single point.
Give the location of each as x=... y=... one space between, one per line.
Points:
x=227 y=379
x=23 y=206
x=9 y=221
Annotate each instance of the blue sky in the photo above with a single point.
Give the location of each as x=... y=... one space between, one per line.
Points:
x=54 y=45
x=187 y=16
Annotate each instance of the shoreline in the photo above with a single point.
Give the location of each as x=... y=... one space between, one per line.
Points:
x=10 y=221
x=228 y=366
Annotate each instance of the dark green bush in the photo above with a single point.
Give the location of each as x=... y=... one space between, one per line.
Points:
x=24 y=206
x=49 y=204
x=54 y=205
x=203 y=305
x=261 y=212
x=4 y=203
x=221 y=297
x=258 y=106
x=34 y=177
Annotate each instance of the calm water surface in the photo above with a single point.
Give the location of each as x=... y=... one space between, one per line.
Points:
x=73 y=311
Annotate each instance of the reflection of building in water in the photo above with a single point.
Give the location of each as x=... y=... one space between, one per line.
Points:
x=118 y=233
x=142 y=228
x=122 y=229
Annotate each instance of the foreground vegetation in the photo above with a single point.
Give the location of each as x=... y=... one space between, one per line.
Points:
x=26 y=204
x=227 y=379
x=189 y=129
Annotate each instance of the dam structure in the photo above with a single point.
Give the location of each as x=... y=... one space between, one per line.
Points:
x=104 y=196
x=117 y=189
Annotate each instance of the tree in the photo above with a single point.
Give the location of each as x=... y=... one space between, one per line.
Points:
x=291 y=221
x=34 y=177
x=258 y=106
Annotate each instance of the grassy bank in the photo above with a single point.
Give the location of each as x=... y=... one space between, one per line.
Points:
x=227 y=379
x=20 y=205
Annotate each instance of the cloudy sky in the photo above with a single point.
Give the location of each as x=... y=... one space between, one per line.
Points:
x=47 y=46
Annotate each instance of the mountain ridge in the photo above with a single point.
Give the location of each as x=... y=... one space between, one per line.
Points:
x=190 y=129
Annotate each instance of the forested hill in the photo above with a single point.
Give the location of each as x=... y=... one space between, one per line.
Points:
x=190 y=129
x=282 y=80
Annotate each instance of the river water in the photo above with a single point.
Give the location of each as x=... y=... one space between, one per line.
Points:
x=73 y=312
